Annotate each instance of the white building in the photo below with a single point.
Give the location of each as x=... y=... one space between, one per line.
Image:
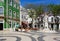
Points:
x=23 y=14
x=54 y=22
x=51 y=22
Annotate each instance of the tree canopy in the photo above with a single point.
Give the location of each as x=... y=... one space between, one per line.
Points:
x=40 y=9
x=54 y=8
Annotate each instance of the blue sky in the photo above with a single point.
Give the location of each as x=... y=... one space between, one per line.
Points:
x=24 y=2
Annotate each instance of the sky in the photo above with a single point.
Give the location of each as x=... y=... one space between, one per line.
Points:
x=24 y=2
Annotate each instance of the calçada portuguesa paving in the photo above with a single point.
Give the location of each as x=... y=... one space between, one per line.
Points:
x=28 y=36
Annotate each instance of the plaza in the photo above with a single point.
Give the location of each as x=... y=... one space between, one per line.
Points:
x=19 y=23
x=31 y=36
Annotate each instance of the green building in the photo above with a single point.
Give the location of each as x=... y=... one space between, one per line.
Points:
x=9 y=14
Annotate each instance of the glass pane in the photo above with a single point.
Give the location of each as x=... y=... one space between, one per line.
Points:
x=1 y=10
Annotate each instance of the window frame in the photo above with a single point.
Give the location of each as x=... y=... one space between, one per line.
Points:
x=2 y=11
x=14 y=4
x=10 y=2
x=18 y=15
x=14 y=14
x=18 y=6
x=10 y=13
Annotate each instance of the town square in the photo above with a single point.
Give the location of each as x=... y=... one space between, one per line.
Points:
x=28 y=36
x=29 y=20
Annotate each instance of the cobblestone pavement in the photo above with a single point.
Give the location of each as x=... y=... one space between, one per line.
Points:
x=28 y=36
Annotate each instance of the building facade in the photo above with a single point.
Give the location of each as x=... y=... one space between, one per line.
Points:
x=54 y=22
x=23 y=14
x=9 y=14
x=51 y=22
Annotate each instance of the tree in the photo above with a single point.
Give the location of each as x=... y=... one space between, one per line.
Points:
x=39 y=10
x=54 y=8
x=32 y=14
x=35 y=11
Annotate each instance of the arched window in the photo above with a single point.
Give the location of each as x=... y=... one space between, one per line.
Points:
x=1 y=10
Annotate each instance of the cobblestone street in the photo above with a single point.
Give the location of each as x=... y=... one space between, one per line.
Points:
x=28 y=36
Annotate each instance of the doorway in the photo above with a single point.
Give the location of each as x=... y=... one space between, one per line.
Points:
x=52 y=26
x=57 y=28
x=1 y=26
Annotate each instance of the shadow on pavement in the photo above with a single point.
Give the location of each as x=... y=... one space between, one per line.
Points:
x=18 y=38
x=40 y=38
x=2 y=39
x=57 y=38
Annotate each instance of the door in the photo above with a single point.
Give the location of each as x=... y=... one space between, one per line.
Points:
x=1 y=26
x=57 y=28
x=52 y=26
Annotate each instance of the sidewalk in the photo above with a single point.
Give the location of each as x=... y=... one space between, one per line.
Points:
x=29 y=36
x=24 y=36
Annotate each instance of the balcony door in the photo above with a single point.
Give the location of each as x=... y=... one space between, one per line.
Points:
x=1 y=26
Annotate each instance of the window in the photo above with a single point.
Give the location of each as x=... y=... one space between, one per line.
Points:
x=15 y=4
x=9 y=24
x=10 y=2
x=1 y=10
x=41 y=25
x=13 y=24
x=18 y=7
x=10 y=12
x=18 y=15
x=14 y=14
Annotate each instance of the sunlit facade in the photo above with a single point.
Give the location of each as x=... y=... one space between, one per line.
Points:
x=9 y=14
